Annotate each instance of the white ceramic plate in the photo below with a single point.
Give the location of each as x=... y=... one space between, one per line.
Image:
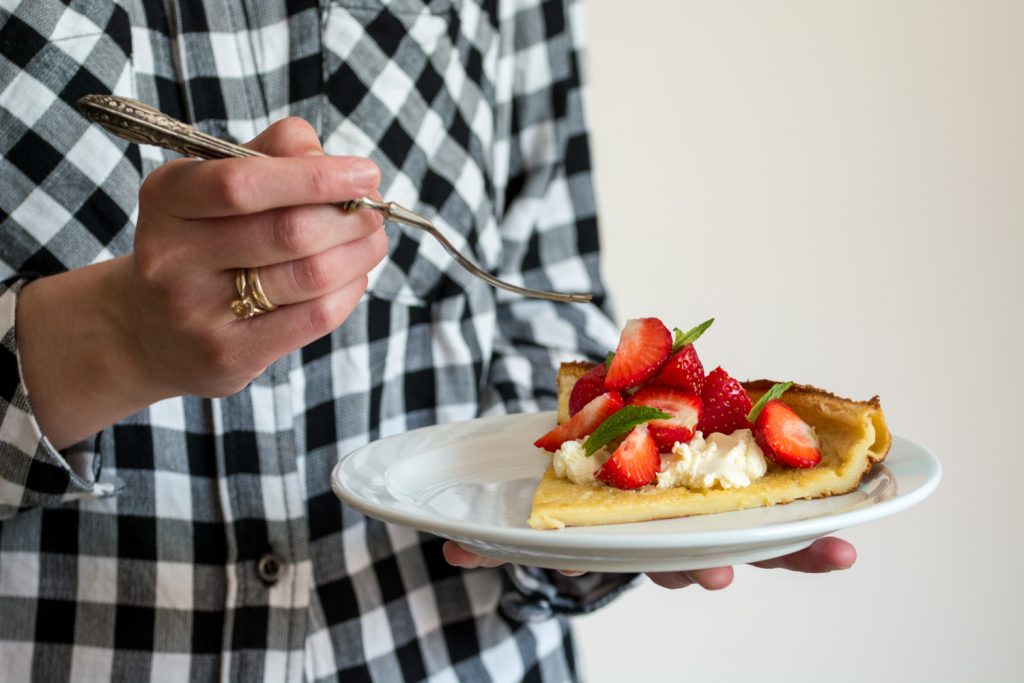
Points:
x=473 y=482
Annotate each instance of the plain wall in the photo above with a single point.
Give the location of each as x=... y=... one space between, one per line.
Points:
x=841 y=185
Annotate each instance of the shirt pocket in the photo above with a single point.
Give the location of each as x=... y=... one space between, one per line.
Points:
x=409 y=83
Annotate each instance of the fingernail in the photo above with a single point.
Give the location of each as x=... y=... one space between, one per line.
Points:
x=365 y=175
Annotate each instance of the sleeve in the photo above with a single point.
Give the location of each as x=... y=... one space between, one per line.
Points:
x=549 y=241
x=67 y=194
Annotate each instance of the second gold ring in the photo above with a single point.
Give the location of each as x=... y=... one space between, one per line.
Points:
x=256 y=289
x=252 y=299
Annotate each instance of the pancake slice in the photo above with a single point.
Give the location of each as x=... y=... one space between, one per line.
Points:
x=853 y=436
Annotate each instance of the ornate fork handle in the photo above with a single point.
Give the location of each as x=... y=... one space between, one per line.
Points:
x=142 y=124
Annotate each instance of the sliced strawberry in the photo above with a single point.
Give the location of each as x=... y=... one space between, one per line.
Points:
x=634 y=463
x=582 y=423
x=587 y=388
x=643 y=347
x=683 y=370
x=785 y=438
x=684 y=407
x=726 y=404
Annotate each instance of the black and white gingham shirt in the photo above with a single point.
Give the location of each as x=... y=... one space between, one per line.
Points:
x=136 y=555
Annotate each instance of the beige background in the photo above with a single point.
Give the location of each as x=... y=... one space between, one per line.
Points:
x=841 y=184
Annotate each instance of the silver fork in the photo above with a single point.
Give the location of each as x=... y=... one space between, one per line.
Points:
x=142 y=124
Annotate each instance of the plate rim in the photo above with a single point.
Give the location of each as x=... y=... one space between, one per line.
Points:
x=578 y=538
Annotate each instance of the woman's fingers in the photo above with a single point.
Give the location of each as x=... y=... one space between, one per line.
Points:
x=289 y=137
x=288 y=328
x=824 y=555
x=313 y=276
x=297 y=172
x=275 y=236
x=231 y=187
x=712 y=579
x=458 y=556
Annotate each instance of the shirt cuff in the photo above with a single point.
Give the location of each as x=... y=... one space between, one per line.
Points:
x=538 y=594
x=32 y=471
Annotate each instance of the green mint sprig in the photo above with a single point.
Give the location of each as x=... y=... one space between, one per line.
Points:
x=620 y=423
x=684 y=338
x=776 y=391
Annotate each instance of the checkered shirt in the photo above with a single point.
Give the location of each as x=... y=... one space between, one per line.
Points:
x=199 y=539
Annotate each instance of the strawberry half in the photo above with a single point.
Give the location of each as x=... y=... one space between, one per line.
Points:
x=582 y=423
x=634 y=463
x=643 y=347
x=683 y=370
x=726 y=404
x=587 y=388
x=684 y=407
x=785 y=438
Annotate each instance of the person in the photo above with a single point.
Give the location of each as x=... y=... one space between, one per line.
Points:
x=165 y=457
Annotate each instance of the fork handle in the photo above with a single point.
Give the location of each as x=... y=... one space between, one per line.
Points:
x=137 y=122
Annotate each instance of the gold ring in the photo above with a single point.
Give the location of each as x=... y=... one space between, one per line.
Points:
x=256 y=289
x=246 y=306
x=242 y=283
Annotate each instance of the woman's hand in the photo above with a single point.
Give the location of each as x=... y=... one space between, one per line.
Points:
x=100 y=343
x=201 y=221
x=824 y=555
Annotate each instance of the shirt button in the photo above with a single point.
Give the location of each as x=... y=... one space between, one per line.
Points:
x=270 y=568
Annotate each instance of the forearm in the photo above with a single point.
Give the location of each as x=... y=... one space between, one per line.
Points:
x=77 y=360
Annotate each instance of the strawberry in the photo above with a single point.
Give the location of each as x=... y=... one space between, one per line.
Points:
x=582 y=423
x=684 y=407
x=634 y=463
x=587 y=388
x=683 y=370
x=643 y=347
x=785 y=438
x=726 y=404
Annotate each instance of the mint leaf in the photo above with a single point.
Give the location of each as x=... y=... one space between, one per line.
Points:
x=608 y=359
x=684 y=338
x=621 y=422
x=776 y=391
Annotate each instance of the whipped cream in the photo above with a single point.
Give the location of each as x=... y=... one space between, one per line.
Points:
x=571 y=462
x=720 y=461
